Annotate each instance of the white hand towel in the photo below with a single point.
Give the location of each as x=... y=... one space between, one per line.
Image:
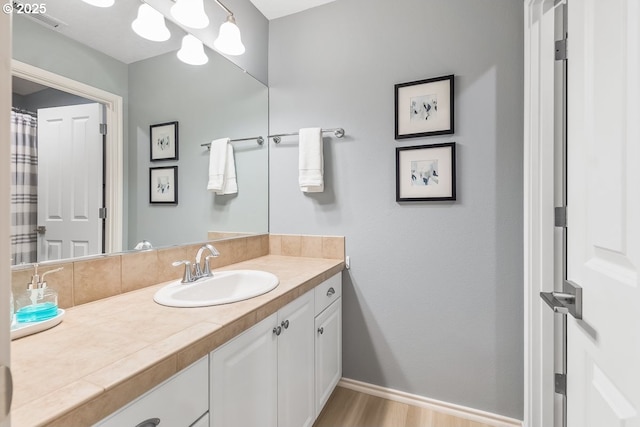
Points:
x=230 y=183
x=311 y=161
x=217 y=164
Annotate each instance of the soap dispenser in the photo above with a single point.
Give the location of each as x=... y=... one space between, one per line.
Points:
x=38 y=302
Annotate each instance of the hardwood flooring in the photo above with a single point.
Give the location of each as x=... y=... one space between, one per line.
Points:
x=348 y=408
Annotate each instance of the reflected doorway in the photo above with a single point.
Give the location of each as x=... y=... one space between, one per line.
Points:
x=35 y=88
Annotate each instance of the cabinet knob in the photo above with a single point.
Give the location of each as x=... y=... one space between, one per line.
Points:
x=285 y=324
x=321 y=330
x=331 y=291
x=277 y=330
x=151 y=422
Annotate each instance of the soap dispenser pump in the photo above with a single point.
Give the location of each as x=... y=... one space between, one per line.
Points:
x=38 y=302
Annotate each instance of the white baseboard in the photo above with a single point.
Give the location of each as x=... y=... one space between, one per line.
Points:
x=488 y=418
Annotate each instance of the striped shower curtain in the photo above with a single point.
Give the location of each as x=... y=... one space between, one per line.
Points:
x=24 y=186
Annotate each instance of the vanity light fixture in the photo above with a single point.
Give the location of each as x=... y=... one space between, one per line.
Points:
x=100 y=3
x=229 y=41
x=192 y=51
x=190 y=13
x=150 y=24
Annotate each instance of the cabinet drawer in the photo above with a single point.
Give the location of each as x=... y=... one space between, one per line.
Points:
x=179 y=401
x=327 y=292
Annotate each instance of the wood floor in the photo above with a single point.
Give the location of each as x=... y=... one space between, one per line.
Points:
x=348 y=408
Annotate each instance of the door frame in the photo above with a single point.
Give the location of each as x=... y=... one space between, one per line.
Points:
x=114 y=191
x=5 y=191
x=538 y=209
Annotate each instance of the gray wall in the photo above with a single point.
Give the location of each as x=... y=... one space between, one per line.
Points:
x=51 y=51
x=433 y=299
x=47 y=98
x=212 y=101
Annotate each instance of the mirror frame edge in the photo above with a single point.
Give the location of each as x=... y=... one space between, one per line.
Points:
x=114 y=112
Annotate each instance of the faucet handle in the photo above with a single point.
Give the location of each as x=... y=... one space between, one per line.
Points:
x=187 y=277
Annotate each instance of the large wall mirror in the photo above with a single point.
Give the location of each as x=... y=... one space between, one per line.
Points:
x=208 y=102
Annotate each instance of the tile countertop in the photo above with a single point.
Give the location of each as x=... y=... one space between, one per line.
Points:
x=106 y=353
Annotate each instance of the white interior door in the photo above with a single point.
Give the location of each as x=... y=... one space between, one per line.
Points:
x=603 y=377
x=70 y=183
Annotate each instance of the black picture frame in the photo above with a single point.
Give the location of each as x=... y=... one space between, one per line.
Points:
x=163 y=141
x=424 y=107
x=163 y=185
x=426 y=172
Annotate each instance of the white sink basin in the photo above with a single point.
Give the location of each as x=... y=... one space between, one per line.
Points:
x=224 y=287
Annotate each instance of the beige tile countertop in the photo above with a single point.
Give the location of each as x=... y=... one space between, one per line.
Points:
x=108 y=352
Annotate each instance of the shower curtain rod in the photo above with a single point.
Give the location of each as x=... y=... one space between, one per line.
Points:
x=338 y=132
x=21 y=110
x=259 y=140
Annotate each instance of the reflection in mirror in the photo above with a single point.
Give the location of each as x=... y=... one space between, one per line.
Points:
x=213 y=101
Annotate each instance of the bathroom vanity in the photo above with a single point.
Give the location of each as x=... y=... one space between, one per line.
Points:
x=267 y=376
x=125 y=359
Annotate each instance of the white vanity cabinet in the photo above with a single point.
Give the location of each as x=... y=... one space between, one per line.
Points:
x=328 y=339
x=181 y=401
x=265 y=376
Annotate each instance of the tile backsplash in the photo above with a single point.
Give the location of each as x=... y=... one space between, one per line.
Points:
x=102 y=276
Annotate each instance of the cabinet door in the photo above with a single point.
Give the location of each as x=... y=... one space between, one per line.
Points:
x=328 y=352
x=296 y=407
x=244 y=379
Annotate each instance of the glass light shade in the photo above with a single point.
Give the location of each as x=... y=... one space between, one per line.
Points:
x=100 y=3
x=229 y=41
x=190 y=13
x=192 y=51
x=150 y=24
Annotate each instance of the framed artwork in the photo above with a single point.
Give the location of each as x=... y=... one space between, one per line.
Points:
x=163 y=139
x=424 y=107
x=426 y=172
x=163 y=185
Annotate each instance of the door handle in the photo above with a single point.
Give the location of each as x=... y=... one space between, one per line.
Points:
x=40 y=229
x=569 y=301
x=6 y=385
x=151 y=422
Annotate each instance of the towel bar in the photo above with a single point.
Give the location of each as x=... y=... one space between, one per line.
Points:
x=259 y=140
x=338 y=132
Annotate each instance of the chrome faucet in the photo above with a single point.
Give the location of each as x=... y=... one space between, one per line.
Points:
x=193 y=272
x=207 y=268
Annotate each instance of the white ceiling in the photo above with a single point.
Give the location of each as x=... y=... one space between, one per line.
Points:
x=273 y=9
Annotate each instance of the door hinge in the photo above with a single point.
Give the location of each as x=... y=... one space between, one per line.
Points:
x=103 y=128
x=561 y=384
x=561 y=50
x=102 y=213
x=560 y=216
